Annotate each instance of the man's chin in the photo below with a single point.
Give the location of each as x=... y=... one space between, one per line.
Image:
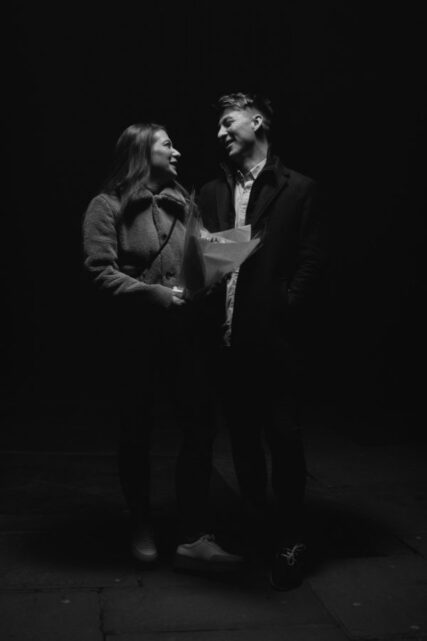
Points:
x=233 y=155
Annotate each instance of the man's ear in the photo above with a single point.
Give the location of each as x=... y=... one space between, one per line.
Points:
x=257 y=121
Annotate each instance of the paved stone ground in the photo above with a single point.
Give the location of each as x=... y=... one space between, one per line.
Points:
x=66 y=574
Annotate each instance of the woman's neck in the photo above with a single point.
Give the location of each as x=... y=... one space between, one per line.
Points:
x=156 y=181
x=154 y=186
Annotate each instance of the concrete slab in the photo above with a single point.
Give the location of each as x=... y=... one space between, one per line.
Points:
x=342 y=524
x=164 y=577
x=347 y=464
x=376 y=598
x=357 y=522
x=303 y=633
x=216 y=607
x=55 y=482
x=48 y=560
x=50 y=616
x=417 y=540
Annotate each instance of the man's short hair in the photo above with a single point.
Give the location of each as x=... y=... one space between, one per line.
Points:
x=241 y=101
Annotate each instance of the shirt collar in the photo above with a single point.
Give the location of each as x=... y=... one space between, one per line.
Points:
x=252 y=173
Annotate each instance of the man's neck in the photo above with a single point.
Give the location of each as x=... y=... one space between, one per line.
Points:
x=258 y=155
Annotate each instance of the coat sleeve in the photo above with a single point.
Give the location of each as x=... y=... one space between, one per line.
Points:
x=100 y=250
x=310 y=254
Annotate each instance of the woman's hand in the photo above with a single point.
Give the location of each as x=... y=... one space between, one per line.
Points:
x=165 y=297
x=177 y=296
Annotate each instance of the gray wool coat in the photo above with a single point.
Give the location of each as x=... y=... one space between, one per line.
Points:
x=122 y=248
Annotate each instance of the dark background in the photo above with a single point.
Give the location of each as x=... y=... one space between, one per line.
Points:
x=349 y=91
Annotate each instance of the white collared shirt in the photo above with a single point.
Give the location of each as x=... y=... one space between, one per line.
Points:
x=242 y=192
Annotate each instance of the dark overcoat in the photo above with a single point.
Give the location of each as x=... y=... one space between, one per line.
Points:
x=276 y=282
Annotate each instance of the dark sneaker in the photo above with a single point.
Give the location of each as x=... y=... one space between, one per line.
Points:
x=205 y=554
x=287 y=568
x=143 y=546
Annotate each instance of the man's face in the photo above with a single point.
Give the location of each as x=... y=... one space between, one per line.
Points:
x=163 y=156
x=236 y=132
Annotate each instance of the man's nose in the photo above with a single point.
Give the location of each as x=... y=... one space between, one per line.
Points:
x=221 y=132
x=176 y=153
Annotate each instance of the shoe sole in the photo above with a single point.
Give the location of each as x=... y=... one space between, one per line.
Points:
x=285 y=588
x=185 y=563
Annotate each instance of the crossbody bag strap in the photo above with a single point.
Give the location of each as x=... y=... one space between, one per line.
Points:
x=165 y=242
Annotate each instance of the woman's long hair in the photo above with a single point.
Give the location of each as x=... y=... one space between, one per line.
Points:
x=131 y=164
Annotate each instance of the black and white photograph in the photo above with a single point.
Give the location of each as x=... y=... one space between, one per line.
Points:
x=212 y=393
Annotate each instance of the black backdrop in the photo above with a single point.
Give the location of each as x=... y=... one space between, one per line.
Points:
x=348 y=87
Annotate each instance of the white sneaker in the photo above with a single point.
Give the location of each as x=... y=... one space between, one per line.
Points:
x=204 y=554
x=143 y=547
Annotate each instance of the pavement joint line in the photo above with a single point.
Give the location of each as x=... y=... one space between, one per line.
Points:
x=411 y=547
x=52 y=590
x=101 y=615
x=109 y=453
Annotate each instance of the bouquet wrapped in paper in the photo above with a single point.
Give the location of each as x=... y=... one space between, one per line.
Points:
x=209 y=257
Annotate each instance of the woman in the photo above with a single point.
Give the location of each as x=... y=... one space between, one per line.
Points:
x=133 y=239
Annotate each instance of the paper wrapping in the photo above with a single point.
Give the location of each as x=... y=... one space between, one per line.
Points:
x=208 y=257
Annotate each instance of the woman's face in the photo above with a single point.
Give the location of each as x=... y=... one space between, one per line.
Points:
x=164 y=157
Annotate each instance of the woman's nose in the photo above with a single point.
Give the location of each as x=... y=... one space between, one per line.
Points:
x=176 y=153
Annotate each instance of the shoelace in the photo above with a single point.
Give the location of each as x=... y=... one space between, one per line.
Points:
x=291 y=554
x=208 y=537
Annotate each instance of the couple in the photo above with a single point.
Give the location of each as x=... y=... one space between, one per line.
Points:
x=133 y=238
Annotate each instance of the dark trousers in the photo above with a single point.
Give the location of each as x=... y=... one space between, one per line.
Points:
x=172 y=373
x=261 y=409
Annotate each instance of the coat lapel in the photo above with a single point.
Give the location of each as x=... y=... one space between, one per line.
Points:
x=172 y=201
x=271 y=181
x=224 y=201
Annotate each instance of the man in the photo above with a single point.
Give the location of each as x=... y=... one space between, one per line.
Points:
x=266 y=302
